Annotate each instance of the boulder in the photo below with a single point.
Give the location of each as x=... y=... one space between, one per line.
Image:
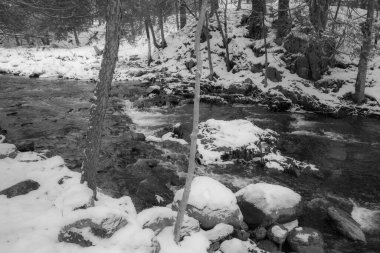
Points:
x=6 y=149
x=77 y=232
x=219 y=232
x=268 y=246
x=273 y=74
x=154 y=192
x=345 y=224
x=211 y=203
x=158 y=218
x=296 y=42
x=25 y=146
x=237 y=246
x=21 y=188
x=257 y=68
x=305 y=240
x=241 y=234
x=277 y=233
x=263 y=204
x=260 y=233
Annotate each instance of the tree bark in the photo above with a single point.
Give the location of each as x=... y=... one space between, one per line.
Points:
x=359 y=96
x=211 y=76
x=149 y=46
x=238 y=5
x=176 y=14
x=283 y=22
x=161 y=25
x=182 y=13
x=214 y=7
x=194 y=134
x=76 y=37
x=155 y=43
x=319 y=10
x=255 y=27
x=98 y=110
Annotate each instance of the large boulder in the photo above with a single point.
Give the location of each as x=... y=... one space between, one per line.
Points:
x=305 y=240
x=263 y=204
x=345 y=224
x=211 y=203
x=221 y=140
x=21 y=188
x=219 y=232
x=158 y=218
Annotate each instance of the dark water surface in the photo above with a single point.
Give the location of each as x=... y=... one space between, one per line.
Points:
x=41 y=110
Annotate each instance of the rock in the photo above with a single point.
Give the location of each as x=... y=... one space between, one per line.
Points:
x=273 y=74
x=76 y=232
x=296 y=42
x=158 y=218
x=25 y=146
x=302 y=68
x=109 y=226
x=260 y=233
x=6 y=149
x=257 y=68
x=329 y=84
x=154 y=192
x=291 y=225
x=305 y=240
x=241 y=234
x=342 y=203
x=277 y=233
x=237 y=246
x=221 y=140
x=268 y=246
x=277 y=102
x=211 y=203
x=219 y=232
x=21 y=188
x=190 y=64
x=263 y=204
x=346 y=224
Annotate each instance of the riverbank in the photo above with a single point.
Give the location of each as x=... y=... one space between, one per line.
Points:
x=172 y=70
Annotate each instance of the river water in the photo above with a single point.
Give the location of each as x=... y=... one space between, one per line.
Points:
x=348 y=150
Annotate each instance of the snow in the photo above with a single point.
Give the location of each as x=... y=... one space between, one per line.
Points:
x=219 y=231
x=208 y=193
x=368 y=219
x=31 y=222
x=291 y=225
x=218 y=136
x=237 y=246
x=6 y=149
x=269 y=197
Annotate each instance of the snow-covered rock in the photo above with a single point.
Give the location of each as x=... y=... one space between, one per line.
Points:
x=263 y=204
x=6 y=149
x=237 y=246
x=304 y=239
x=211 y=203
x=345 y=224
x=219 y=232
x=219 y=140
x=277 y=233
x=158 y=218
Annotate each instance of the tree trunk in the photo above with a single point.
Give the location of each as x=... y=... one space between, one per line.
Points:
x=149 y=46
x=76 y=37
x=153 y=34
x=214 y=7
x=364 y=54
x=176 y=14
x=283 y=23
x=17 y=41
x=98 y=110
x=239 y=5
x=336 y=15
x=211 y=76
x=194 y=134
x=228 y=62
x=161 y=25
x=319 y=10
x=255 y=27
x=182 y=13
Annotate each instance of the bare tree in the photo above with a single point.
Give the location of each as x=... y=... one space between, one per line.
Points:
x=194 y=134
x=182 y=13
x=367 y=27
x=211 y=76
x=98 y=109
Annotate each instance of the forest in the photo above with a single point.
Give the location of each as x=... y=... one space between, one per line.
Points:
x=228 y=126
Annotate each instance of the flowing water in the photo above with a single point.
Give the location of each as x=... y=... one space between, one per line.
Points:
x=349 y=149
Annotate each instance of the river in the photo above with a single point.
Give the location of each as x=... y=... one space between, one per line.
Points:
x=53 y=114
